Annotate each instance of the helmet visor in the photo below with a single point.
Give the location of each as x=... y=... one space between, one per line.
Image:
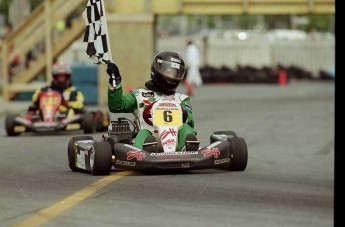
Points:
x=171 y=70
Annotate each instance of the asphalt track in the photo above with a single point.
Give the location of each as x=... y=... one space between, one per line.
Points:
x=289 y=180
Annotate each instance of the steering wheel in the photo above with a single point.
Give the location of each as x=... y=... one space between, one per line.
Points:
x=147 y=113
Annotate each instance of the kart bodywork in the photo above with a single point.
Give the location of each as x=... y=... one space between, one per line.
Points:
x=116 y=149
x=48 y=118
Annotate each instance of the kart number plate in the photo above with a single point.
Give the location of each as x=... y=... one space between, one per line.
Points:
x=50 y=101
x=167 y=117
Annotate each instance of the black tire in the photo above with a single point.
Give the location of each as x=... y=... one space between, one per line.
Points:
x=71 y=150
x=100 y=119
x=228 y=133
x=112 y=139
x=239 y=154
x=122 y=138
x=10 y=124
x=88 y=123
x=102 y=159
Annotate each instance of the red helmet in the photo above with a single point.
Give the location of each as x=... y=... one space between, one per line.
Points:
x=61 y=75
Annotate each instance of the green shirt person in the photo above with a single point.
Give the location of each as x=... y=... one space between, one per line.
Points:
x=167 y=71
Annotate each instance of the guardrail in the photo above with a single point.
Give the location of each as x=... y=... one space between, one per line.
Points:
x=37 y=32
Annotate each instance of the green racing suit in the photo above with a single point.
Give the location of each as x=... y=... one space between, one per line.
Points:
x=137 y=100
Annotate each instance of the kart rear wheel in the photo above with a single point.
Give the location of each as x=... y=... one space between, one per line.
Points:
x=88 y=123
x=239 y=154
x=101 y=121
x=112 y=140
x=101 y=161
x=122 y=138
x=71 y=150
x=10 y=124
x=229 y=134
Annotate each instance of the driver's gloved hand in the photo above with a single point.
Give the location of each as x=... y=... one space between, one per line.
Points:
x=114 y=74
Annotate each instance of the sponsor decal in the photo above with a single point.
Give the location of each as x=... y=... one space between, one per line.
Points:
x=165 y=133
x=180 y=153
x=147 y=94
x=167 y=104
x=136 y=92
x=168 y=141
x=175 y=65
x=146 y=102
x=221 y=161
x=176 y=60
x=81 y=159
x=188 y=106
x=86 y=152
x=135 y=154
x=213 y=151
x=167 y=108
x=125 y=163
x=174 y=155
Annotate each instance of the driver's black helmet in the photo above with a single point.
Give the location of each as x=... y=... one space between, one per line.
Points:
x=167 y=71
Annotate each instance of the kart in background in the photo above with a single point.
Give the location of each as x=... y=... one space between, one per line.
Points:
x=116 y=149
x=48 y=118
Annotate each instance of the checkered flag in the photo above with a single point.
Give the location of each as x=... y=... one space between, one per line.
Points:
x=96 y=33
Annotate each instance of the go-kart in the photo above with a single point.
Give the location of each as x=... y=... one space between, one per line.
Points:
x=226 y=150
x=48 y=118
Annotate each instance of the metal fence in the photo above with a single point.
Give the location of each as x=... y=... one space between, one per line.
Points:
x=311 y=55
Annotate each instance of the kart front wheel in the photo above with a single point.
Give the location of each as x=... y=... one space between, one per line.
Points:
x=71 y=152
x=239 y=154
x=101 y=158
x=101 y=120
x=10 y=124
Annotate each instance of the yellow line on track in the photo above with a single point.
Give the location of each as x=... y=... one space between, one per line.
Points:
x=56 y=209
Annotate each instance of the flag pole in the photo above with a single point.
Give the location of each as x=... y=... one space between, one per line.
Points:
x=108 y=42
x=106 y=28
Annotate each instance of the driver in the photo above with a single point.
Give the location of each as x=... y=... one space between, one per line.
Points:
x=167 y=71
x=73 y=99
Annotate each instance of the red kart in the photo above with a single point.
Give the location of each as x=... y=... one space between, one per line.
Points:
x=48 y=118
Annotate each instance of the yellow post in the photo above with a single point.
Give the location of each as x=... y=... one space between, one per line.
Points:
x=48 y=40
